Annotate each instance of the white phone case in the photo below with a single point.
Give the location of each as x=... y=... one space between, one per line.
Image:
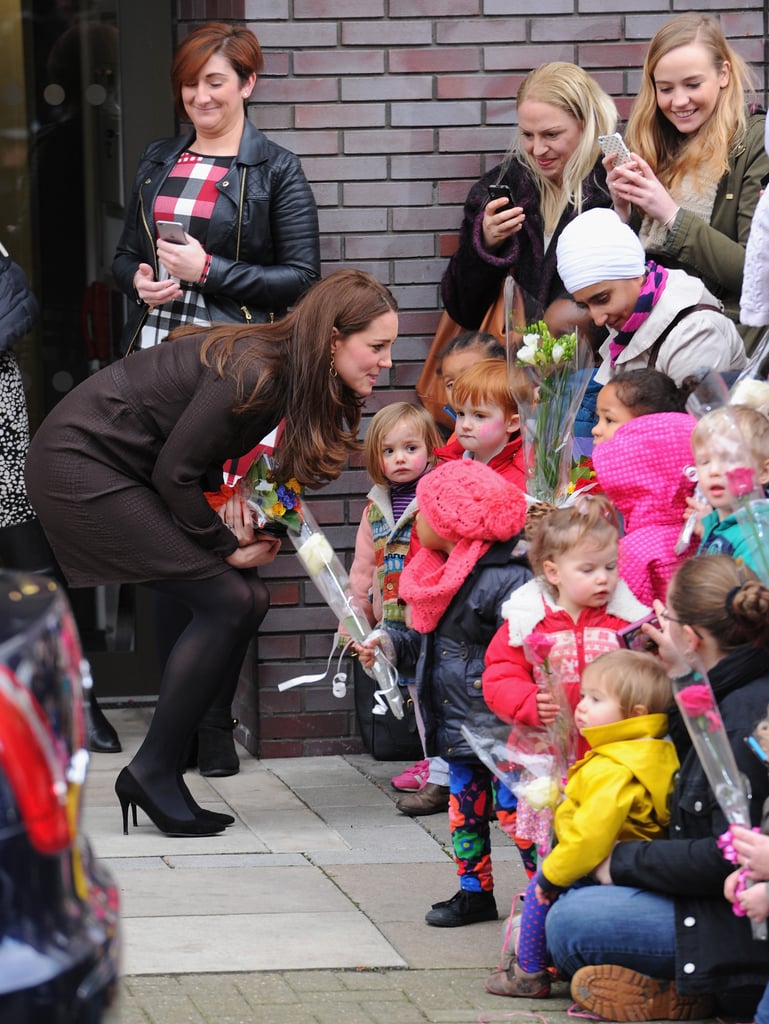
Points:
x=614 y=144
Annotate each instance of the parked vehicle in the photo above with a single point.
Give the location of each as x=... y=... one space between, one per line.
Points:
x=59 y=937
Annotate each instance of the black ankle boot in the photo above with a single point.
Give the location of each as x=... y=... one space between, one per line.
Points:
x=217 y=756
x=102 y=738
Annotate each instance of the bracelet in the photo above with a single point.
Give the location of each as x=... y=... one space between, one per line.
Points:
x=669 y=222
x=206 y=267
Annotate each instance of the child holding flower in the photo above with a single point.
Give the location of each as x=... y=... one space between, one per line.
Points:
x=619 y=790
x=468 y=562
x=577 y=601
x=556 y=624
x=398 y=450
x=731 y=454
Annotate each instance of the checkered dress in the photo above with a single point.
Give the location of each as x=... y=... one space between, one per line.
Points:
x=188 y=195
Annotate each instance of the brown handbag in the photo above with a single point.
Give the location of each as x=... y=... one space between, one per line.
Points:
x=429 y=386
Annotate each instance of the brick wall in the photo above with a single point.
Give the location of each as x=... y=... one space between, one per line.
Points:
x=396 y=107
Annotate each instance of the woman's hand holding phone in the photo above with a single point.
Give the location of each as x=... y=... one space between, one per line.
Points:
x=501 y=217
x=631 y=183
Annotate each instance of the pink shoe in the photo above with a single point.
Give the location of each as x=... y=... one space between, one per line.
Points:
x=413 y=779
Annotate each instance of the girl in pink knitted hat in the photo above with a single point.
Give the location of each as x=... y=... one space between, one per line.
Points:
x=470 y=559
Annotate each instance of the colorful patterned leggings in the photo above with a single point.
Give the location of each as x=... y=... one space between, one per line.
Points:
x=474 y=793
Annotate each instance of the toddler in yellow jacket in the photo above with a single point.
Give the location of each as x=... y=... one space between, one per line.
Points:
x=619 y=790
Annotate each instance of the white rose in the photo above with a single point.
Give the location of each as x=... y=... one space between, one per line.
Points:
x=316 y=554
x=527 y=354
x=541 y=793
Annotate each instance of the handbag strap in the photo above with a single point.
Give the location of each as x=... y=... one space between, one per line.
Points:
x=654 y=351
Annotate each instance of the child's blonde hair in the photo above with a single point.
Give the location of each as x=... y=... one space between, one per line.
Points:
x=572 y=90
x=383 y=421
x=670 y=154
x=591 y=518
x=632 y=677
x=752 y=423
x=491 y=382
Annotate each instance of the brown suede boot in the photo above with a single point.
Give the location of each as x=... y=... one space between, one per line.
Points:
x=513 y=981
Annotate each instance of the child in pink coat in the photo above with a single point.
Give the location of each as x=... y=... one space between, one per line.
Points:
x=642 y=471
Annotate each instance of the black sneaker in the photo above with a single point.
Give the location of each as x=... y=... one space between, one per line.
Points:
x=463 y=908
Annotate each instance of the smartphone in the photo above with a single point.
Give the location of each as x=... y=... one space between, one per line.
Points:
x=634 y=639
x=500 y=191
x=171 y=231
x=614 y=143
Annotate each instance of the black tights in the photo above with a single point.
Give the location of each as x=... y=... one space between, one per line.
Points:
x=224 y=612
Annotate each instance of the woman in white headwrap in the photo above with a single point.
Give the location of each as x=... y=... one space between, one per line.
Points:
x=664 y=319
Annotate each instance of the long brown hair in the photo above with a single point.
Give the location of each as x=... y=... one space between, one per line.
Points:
x=293 y=357
x=235 y=43
x=649 y=133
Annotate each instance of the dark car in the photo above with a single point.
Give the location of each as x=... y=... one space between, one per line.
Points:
x=58 y=905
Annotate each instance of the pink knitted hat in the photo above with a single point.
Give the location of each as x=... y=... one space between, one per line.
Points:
x=465 y=500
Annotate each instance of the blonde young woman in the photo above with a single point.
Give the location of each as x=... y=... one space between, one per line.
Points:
x=554 y=172
x=699 y=157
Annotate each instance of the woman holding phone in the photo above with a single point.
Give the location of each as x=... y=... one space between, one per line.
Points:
x=553 y=171
x=246 y=219
x=698 y=157
x=248 y=214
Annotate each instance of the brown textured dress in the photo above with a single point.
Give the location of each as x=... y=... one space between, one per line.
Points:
x=117 y=470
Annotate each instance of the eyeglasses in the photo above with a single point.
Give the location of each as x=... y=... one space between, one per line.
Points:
x=679 y=622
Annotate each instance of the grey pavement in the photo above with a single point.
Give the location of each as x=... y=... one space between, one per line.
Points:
x=308 y=910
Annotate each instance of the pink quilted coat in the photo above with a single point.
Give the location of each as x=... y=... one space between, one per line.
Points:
x=641 y=471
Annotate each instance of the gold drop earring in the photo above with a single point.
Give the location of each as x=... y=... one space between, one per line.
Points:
x=332 y=369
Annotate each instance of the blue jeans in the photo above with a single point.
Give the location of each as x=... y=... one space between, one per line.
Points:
x=612 y=924
x=762 y=1010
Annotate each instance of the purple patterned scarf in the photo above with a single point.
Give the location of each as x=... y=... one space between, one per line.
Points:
x=651 y=289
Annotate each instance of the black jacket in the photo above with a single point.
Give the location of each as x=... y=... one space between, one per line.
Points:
x=279 y=255
x=449 y=661
x=474 y=275
x=715 y=950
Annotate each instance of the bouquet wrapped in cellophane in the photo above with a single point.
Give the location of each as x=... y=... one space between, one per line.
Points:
x=556 y=372
x=271 y=503
x=330 y=577
x=559 y=368
x=529 y=765
x=532 y=762
x=702 y=718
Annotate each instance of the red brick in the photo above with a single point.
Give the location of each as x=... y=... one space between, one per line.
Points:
x=386 y=33
x=295 y=34
x=435 y=8
x=481 y=30
x=437 y=59
x=337 y=8
x=478 y=86
x=339 y=62
x=300 y=90
x=616 y=55
x=388 y=88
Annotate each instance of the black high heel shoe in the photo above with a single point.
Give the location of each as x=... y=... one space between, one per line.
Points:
x=202 y=812
x=131 y=793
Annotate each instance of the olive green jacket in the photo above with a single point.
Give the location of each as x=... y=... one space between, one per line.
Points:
x=715 y=252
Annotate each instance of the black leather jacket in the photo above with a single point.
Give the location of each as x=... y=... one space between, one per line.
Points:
x=262 y=236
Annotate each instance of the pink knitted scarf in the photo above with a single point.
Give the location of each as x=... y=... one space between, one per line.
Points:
x=430 y=580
